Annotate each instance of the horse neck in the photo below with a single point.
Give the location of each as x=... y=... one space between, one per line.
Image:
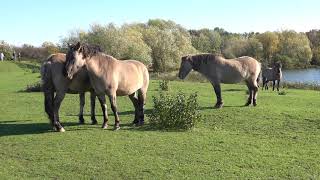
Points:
x=95 y=63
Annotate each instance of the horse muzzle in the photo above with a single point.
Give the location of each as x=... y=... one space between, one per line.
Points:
x=69 y=76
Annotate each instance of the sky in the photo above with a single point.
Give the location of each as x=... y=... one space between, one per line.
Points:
x=36 y=21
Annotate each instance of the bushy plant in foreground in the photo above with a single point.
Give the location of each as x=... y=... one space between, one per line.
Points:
x=36 y=87
x=164 y=85
x=175 y=112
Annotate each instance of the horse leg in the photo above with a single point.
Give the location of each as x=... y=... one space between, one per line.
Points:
x=113 y=102
x=273 y=84
x=82 y=103
x=102 y=100
x=255 y=93
x=141 y=102
x=93 y=107
x=250 y=89
x=135 y=102
x=217 y=90
x=264 y=83
x=278 y=84
x=56 y=106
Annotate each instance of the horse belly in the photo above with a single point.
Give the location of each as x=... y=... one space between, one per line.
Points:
x=231 y=78
x=127 y=90
x=80 y=84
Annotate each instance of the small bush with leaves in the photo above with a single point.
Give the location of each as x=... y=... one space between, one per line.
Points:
x=175 y=112
x=36 y=87
x=282 y=92
x=164 y=85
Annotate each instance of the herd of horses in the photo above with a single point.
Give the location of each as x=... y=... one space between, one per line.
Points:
x=85 y=68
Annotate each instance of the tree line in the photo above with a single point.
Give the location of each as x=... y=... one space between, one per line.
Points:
x=161 y=43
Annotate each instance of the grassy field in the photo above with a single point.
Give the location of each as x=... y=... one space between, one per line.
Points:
x=278 y=139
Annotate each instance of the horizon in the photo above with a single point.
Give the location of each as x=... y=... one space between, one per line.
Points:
x=34 y=22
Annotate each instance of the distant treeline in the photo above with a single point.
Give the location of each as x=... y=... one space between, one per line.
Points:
x=160 y=44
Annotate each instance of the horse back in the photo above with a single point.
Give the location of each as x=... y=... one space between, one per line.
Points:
x=132 y=75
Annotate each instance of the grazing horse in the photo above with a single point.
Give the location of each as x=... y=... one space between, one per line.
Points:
x=219 y=70
x=111 y=77
x=54 y=80
x=272 y=74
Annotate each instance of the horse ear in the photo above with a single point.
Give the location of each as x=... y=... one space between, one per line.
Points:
x=69 y=45
x=77 y=46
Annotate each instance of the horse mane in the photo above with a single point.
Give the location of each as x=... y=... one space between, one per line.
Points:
x=89 y=50
x=199 y=59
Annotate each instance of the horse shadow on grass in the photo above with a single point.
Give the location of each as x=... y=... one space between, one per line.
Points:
x=225 y=106
x=11 y=128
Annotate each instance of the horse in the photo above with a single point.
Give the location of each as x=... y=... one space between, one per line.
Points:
x=112 y=77
x=272 y=74
x=53 y=80
x=220 y=70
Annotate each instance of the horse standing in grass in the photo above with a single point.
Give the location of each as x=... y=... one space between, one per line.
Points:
x=219 y=70
x=272 y=74
x=111 y=77
x=54 y=81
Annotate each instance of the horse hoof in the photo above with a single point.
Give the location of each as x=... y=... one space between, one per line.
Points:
x=140 y=123
x=116 y=128
x=218 y=106
x=94 y=122
x=104 y=126
x=135 y=122
x=254 y=104
x=62 y=130
x=81 y=122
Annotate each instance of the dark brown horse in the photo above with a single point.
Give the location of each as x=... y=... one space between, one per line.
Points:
x=111 y=77
x=55 y=85
x=219 y=70
x=272 y=74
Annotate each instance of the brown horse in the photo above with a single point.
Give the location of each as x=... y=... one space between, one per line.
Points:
x=54 y=80
x=219 y=70
x=111 y=77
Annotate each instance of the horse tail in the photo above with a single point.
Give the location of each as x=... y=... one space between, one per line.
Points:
x=47 y=88
x=259 y=75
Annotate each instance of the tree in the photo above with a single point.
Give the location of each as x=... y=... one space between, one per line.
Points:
x=205 y=40
x=270 y=44
x=122 y=43
x=6 y=49
x=50 y=47
x=314 y=38
x=296 y=47
x=168 y=42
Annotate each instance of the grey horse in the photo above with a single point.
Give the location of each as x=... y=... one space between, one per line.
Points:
x=55 y=83
x=220 y=70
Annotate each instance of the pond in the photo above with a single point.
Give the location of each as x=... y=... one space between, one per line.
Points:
x=311 y=75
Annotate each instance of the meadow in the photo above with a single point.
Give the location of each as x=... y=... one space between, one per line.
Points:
x=278 y=139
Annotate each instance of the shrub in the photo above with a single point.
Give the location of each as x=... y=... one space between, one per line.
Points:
x=163 y=85
x=282 y=92
x=36 y=87
x=175 y=112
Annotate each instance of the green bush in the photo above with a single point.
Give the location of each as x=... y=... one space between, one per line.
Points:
x=282 y=92
x=175 y=112
x=164 y=85
x=36 y=87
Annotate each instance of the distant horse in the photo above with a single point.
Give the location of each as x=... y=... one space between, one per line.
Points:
x=54 y=80
x=111 y=77
x=219 y=70
x=272 y=74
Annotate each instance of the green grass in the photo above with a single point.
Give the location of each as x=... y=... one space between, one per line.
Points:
x=278 y=139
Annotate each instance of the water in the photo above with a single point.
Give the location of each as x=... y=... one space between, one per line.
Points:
x=311 y=75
